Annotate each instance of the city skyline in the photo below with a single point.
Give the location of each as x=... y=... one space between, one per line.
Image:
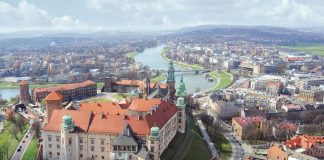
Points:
x=142 y=15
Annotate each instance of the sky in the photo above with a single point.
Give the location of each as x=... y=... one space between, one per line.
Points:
x=142 y=15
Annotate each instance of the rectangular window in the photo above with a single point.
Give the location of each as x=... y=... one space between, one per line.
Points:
x=70 y=141
x=102 y=149
x=102 y=142
x=58 y=153
x=50 y=153
x=49 y=145
x=58 y=146
x=81 y=155
x=49 y=138
x=80 y=147
x=102 y=157
x=92 y=148
x=57 y=139
x=92 y=140
x=80 y=140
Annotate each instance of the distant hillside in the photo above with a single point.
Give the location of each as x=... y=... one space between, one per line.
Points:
x=258 y=34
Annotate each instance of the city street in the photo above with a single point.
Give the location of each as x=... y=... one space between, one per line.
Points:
x=23 y=144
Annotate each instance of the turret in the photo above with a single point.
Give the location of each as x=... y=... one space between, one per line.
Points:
x=67 y=126
x=171 y=80
x=154 y=143
x=181 y=114
x=146 y=89
x=24 y=92
x=53 y=101
x=181 y=91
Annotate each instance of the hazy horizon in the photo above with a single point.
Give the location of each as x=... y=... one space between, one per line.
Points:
x=144 y=15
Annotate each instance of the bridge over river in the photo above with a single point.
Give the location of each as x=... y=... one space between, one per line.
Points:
x=187 y=70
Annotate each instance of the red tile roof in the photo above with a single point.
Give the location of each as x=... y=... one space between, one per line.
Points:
x=65 y=87
x=143 y=105
x=242 y=121
x=81 y=119
x=23 y=82
x=53 y=96
x=304 y=141
x=105 y=117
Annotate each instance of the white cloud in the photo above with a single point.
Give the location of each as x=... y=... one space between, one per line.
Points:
x=67 y=22
x=179 y=13
x=26 y=16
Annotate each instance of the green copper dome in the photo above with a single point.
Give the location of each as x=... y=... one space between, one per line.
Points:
x=67 y=123
x=181 y=103
x=181 y=91
x=155 y=133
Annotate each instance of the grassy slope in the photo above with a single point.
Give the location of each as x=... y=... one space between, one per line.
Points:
x=317 y=49
x=31 y=151
x=181 y=64
x=158 y=78
x=95 y=100
x=196 y=149
x=225 y=80
x=7 y=138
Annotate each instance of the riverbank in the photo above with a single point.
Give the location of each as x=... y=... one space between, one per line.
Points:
x=182 y=64
x=11 y=85
x=223 y=79
x=132 y=55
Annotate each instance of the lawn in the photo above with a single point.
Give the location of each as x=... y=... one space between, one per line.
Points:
x=194 y=149
x=97 y=100
x=132 y=54
x=158 y=78
x=100 y=85
x=198 y=148
x=120 y=96
x=224 y=79
x=7 y=139
x=31 y=151
x=316 y=49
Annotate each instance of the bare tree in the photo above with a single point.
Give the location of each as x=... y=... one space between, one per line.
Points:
x=36 y=126
x=19 y=122
x=13 y=130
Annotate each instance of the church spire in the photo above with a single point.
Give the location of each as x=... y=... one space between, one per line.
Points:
x=171 y=78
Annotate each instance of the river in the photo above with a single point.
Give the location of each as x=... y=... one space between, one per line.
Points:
x=9 y=93
x=151 y=57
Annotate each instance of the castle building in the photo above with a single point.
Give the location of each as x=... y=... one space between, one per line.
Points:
x=140 y=129
x=24 y=92
x=69 y=92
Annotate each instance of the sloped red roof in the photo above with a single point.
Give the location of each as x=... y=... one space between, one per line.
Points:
x=143 y=105
x=65 y=87
x=103 y=118
x=23 y=82
x=53 y=96
x=242 y=121
x=81 y=119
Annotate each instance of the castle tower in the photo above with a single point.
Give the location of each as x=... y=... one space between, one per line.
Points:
x=67 y=126
x=146 y=89
x=181 y=114
x=53 y=101
x=154 y=143
x=24 y=92
x=171 y=80
x=181 y=91
x=107 y=85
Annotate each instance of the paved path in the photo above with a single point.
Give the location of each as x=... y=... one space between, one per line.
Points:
x=237 y=150
x=23 y=145
x=210 y=144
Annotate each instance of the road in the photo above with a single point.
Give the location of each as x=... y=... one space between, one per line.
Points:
x=237 y=150
x=23 y=144
x=26 y=139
